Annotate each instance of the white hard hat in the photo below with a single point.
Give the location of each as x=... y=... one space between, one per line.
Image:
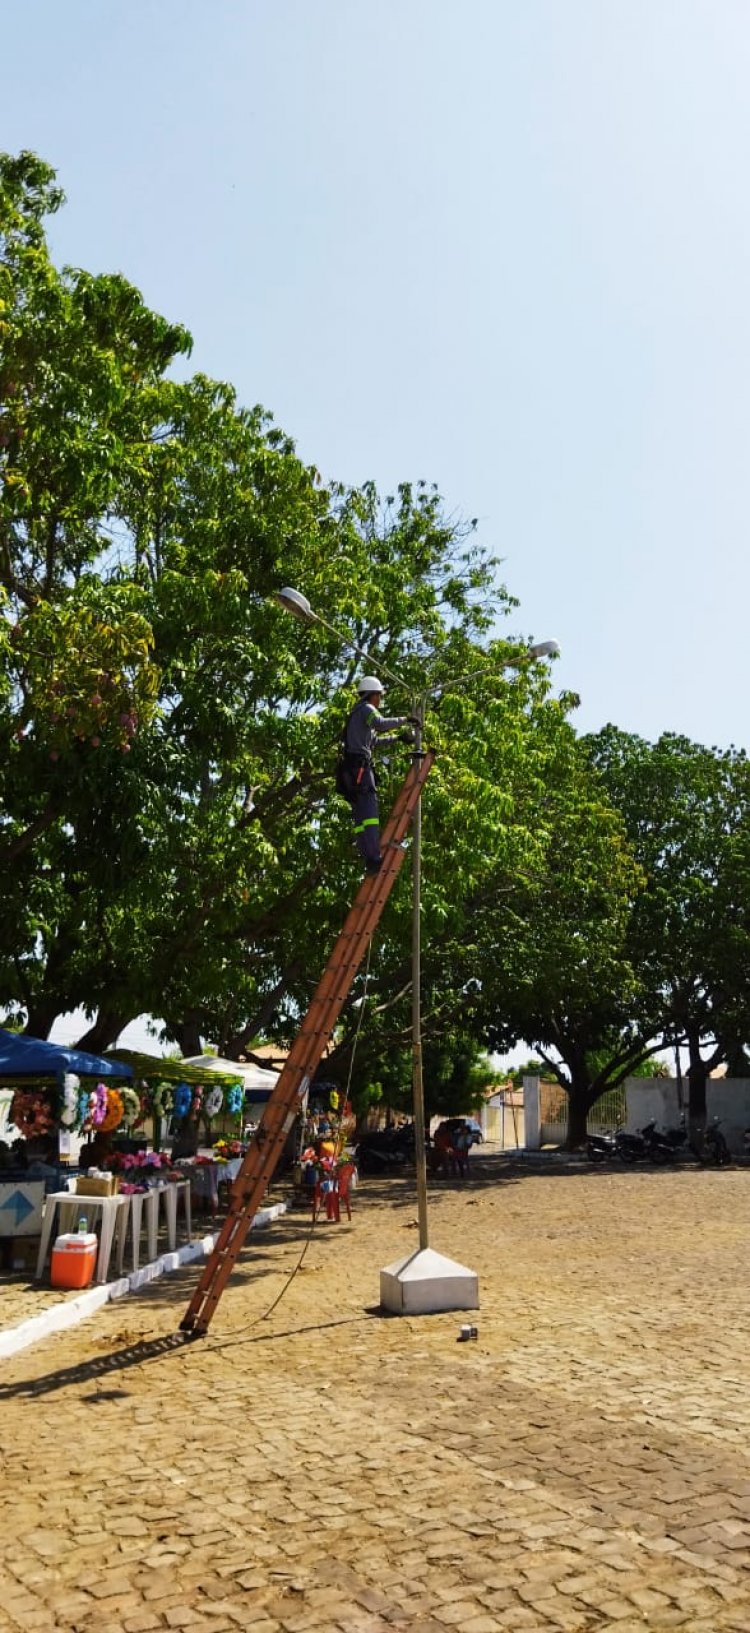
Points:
x=369 y=683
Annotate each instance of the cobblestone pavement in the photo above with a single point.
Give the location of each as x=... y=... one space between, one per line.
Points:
x=584 y=1465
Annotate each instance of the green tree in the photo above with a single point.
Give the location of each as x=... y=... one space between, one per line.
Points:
x=554 y=964
x=81 y=361
x=686 y=809
x=496 y=869
x=166 y=801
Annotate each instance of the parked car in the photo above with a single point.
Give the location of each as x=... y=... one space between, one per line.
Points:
x=474 y=1127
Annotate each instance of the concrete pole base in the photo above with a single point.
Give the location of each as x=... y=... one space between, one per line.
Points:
x=425 y=1282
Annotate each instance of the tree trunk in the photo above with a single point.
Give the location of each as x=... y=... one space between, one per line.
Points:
x=579 y=1101
x=697 y=1079
x=41 y=1017
x=188 y=1035
x=738 y=1064
x=105 y=1031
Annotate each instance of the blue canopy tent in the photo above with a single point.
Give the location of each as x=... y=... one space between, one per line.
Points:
x=34 y=1057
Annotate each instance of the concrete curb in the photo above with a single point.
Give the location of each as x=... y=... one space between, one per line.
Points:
x=60 y=1316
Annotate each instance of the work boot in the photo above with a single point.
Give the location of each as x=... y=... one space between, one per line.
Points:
x=374 y=865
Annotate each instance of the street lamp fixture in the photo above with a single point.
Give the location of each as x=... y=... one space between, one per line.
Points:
x=435 y=1279
x=295 y=602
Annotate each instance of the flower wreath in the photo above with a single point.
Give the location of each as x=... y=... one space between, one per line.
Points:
x=182 y=1099
x=235 y=1099
x=213 y=1102
x=69 y=1105
x=98 y=1105
x=92 y=1107
x=114 y=1113
x=32 y=1113
x=161 y=1099
x=131 y=1104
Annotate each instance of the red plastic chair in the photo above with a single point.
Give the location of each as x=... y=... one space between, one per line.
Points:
x=346 y=1173
x=334 y=1189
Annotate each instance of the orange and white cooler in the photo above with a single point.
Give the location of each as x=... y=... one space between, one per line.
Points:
x=74 y=1260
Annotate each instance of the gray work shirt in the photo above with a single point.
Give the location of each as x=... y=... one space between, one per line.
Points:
x=364 y=724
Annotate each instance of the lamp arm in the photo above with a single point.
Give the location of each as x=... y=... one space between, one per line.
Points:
x=345 y=640
x=527 y=657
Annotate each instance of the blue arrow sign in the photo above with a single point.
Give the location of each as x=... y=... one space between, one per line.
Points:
x=18 y=1203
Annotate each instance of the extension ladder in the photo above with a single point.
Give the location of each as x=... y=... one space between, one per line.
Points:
x=306 y=1053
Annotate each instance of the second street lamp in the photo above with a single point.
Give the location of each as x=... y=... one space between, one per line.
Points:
x=425 y=1282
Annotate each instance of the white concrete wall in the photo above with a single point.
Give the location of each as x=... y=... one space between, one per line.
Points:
x=726 y=1097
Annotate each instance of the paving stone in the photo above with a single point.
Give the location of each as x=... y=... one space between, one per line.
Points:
x=456 y=1614
x=585 y=1464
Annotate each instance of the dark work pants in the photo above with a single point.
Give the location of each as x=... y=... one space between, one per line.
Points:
x=366 y=818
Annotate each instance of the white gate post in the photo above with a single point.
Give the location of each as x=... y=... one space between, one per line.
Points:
x=532 y=1114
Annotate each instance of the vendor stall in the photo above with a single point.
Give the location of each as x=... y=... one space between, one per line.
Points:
x=49 y=1092
x=197 y=1110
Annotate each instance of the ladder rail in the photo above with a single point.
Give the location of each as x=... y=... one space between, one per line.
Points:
x=306 y=1052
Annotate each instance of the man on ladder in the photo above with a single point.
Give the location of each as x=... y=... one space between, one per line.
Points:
x=356 y=778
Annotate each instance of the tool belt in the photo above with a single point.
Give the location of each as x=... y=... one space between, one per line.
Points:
x=350 y=769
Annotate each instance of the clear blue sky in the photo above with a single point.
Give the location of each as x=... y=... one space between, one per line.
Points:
x=500 y=244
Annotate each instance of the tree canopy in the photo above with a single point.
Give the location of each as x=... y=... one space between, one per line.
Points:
x=169 y=832
x=170 y=733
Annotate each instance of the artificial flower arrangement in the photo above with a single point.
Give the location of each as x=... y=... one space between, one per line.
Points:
x=213 y=1102
x=92 y=1107
x=141 y=1167
x=225 y=1150
x=135 y=1162
x=235 y=1099
x=327 y=1160
x=31 y=1112
x=162 y=1099
x=114 y=1113
x=68 y=1112
x=183 y=1098
x=131 y=1106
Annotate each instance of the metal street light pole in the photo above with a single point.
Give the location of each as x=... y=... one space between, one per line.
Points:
x=544 y=649
x=417 y=1075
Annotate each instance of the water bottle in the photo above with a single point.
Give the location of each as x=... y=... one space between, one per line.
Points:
x=83 y=1225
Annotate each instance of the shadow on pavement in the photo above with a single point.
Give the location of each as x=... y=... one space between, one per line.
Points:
x=152 y=1349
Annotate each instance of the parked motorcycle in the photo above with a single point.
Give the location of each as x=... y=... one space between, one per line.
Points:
x=386 y=1149
x=631 y=1147
x=601 y=1147
x=714 y=1151
x=607 y=1147
x=663 y=1146
x=677 y=1137
x=659 y=1148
